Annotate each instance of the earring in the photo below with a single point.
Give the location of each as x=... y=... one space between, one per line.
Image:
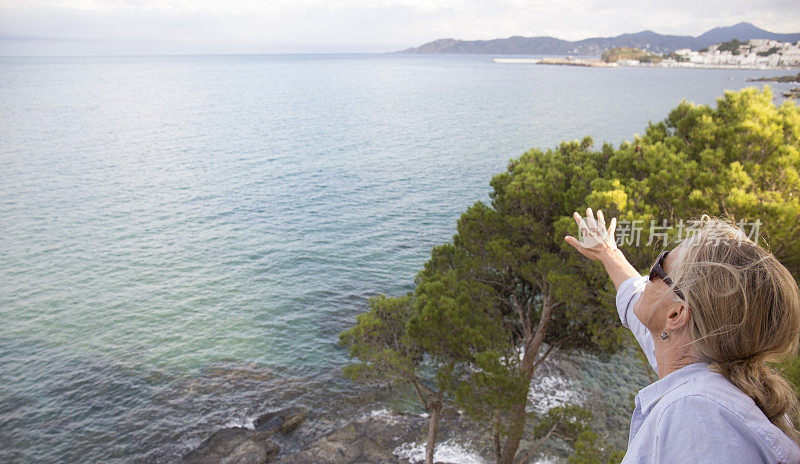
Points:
x=664 y=335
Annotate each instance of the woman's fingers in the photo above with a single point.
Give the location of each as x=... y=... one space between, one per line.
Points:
x=601 y=222
x=583 y=228
x=590 y=219
x=573 y=241
x=578 y=218
x=578 y=246
x=612 y=227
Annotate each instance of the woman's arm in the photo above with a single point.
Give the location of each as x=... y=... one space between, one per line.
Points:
x=627 y=295
x=598 y=244
x=618 y=267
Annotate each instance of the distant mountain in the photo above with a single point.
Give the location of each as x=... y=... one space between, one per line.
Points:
x=646 y=40
x=743 y=32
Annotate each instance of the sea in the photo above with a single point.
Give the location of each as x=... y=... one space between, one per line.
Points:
x=182 y=238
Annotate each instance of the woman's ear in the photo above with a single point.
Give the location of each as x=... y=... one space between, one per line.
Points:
x=678 y=316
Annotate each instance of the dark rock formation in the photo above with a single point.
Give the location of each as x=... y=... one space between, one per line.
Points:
x=792 y=93
x=372 y=439
x=235 y=445
x=777 y=79
x=240 y=445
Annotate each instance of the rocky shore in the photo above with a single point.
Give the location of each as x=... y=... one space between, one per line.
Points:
x=358 y=428
x=380 y=437
x=242 y=445
x=794 y=92
x=777 y=79
x=567 y=61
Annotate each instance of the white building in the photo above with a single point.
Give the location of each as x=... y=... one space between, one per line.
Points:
x=754 y=53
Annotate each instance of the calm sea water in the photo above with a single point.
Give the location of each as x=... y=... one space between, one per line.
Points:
x=182 y=238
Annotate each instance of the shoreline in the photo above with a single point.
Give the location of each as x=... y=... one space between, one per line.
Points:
x=372 y=430
x=596 y=63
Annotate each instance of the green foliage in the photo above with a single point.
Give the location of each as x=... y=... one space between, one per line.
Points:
x=591 y=449
x=678 y=58
x=379 y=342
x=739 y=160
x=533 y=202
x=651 y=58
x=568 y=422
x=573 y=424
x=615 y=54
x=508 y=281
x=790 y=369
x=731 y=46
x=455 y=312
x=768 y=52
x=457 y=323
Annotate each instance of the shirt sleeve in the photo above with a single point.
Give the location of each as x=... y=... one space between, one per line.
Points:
x=628 y=293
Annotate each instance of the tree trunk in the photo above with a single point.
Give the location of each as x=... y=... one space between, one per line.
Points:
x=433 y=427
x=496 y=438
x=515 y=434
x=518 y=416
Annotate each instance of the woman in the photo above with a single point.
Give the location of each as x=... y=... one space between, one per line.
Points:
x=708 y=316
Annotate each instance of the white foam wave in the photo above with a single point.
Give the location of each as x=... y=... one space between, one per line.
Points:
x=447 y=451
x=246 y=422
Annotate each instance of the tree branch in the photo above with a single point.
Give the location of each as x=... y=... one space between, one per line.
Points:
x=418 y=391
x=496 y=438
x=526 y=324
x=541 y=358
x=539 y=443
x=423 y=392
x=535 y=343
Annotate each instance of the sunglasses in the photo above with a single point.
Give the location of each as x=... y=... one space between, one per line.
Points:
x=658 y=271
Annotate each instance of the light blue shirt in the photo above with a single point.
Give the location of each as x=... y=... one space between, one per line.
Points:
x=694 y=415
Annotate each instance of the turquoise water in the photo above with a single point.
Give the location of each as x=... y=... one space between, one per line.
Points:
x=183 y=238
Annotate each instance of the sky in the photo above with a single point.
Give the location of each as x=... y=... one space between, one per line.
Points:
x=102 y=27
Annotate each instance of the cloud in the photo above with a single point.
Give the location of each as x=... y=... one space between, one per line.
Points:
x=280 y=26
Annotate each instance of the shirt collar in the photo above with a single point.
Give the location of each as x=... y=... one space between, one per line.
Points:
x=649 y=395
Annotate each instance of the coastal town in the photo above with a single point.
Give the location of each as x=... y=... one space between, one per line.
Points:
x=752 y=54
x=755 y=53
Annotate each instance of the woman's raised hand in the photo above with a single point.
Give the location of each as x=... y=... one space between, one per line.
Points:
x=596 y=240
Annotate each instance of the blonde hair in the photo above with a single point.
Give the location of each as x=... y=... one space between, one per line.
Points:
x=745 y=312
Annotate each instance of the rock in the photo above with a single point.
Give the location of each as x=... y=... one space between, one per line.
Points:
x=340 y=447
x=257 y=449
x=239 y=445
x=292 y=422
x=792 y=93
x=367 y=440
x=269 y=422
x=285 y=420
x=235 y=445
x=217 y=446
x=777 y=79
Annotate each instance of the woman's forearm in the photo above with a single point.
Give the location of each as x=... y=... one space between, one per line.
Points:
x=618 y=267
